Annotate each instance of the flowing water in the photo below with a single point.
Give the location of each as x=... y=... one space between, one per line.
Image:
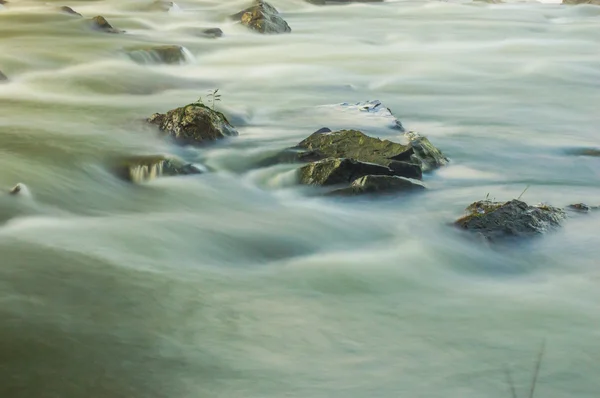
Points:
x=238 y=283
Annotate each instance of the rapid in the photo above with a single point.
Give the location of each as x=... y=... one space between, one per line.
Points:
x=239 y=283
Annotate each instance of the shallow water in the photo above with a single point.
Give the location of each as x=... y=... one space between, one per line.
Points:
x=239 y=283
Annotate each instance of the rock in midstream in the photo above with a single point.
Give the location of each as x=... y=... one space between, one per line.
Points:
x=140 y=168
x=70 y=11
x=262 y=17
x=167 y=54
x=193 y=124
x=101 y=24
x=497 y=220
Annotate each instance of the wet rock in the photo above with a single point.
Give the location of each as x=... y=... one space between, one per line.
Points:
x=366 y=115
x=585 y=152
x=212 y=32
x=169 y=54
x=70 y=11
x=16 y=189
x=100 y=23
x=424 y=152
x=149 y=167
x=380 y=184
x=263 y=18
x=193 y=124
x=354 y=144
x=341 y=2
x=574 y=2
x=582 y=208
x=161 y=5
x=333 y=171
x=3 y=77
x=496 y=220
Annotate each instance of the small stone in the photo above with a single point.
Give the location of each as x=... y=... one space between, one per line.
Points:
x=100 y=23
x=213 y=32
x=69 y=10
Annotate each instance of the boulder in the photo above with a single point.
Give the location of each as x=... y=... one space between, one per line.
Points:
x=333 y=171
x=169 y=54
x=497 y=220
x=193 y=124
x=380 y=184
x=70 y=11
x=263 y=18
x=142 y=168
x=424 y=153
x=574 y=2
x=101 y=24
x=354 y=144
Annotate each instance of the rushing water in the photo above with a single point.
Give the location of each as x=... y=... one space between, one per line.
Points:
x=240 y=284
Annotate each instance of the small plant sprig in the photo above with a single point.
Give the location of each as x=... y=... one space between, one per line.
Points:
x=212 y=97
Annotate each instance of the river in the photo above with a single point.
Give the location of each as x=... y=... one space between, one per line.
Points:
x=239 y=283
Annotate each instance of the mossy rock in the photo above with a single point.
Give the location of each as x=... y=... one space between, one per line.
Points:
x=101 y=24
x=140 y=168
x=495 y=220
x=575 y=2
x=169 y=54
x=380 y=184
x=263 y=18
x=334 y=171
x=70 y=11
x=193 y=124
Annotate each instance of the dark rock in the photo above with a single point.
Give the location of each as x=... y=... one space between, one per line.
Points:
x=148 y=167
x=212 y=32
x=169 y=54
x=582 y=208
x=333 y=171
x=585 y=152
x=100 y=23
x=3 y=77
x=424 y=152
x=496 y=220
x=323 y=130
x=574 y=2
x=69 y=10
x=193 y=124
x=380 y=184
x=354 y=144
x=262 y=17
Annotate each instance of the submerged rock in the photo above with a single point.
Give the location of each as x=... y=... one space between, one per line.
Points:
x=585 y=152
x=69 y=10
x=341 y=2
x=380 y=184
x=3 y=77
x=148 y=167
x=582 y=207
x=161 y=5
x=368 y=115
x=495 y=220
x=263 y=18
x=333 y=171
x=574 y=2
x=212 y=32
x=100 y=23
x=17 y=189
x=169 y=54
x=193 y=124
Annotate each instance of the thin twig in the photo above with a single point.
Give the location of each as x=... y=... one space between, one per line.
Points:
x=509 y=380
x=522 y=193
x=537 y=368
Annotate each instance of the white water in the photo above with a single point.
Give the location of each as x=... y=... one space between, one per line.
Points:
x=238 y=283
